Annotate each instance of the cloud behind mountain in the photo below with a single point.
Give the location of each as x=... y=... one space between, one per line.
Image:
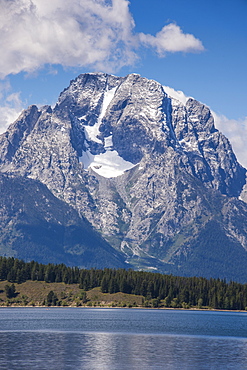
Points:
x=94 y=33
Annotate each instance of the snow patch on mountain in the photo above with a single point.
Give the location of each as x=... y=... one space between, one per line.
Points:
x=92 y=132
x=108 y=164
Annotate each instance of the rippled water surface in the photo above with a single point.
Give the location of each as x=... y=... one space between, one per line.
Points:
x=91 y=338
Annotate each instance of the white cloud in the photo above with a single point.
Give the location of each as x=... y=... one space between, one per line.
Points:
x=176 y=94
x=172 y=39
x=95 y=33
x=10 y=105
x=72 y=33
x=10 y=111
x=236 y=132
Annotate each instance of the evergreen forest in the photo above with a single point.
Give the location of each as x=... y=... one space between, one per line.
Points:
x=157 y=290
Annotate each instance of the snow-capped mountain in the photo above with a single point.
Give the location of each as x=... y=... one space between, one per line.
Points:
x=145 y=166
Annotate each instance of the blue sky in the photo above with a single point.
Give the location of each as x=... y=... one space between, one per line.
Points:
x=193 y=46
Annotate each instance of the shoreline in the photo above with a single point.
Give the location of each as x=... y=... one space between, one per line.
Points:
x=141 y=308
x=47 y=295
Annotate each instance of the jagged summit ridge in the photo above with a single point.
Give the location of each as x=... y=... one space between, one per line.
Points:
x=128 y=116
x=147 y=116
x=148 y=171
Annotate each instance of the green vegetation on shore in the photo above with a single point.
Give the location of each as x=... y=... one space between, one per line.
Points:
x=40 y=293
x=34 y=284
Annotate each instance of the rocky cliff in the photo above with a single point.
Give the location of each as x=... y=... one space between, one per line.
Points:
x=150 y=173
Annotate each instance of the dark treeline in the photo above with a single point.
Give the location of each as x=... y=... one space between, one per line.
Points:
x=166 y=290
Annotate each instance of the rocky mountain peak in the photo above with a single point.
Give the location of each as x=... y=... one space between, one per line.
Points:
x=102 y=119
x=147 y=169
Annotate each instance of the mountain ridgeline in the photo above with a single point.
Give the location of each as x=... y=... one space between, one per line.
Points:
x=121 y=174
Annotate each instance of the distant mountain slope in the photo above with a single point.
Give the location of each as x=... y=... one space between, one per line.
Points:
x=35 y=225
x=150 y=173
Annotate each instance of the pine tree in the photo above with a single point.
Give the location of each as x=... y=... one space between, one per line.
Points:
x=104 y=284
x=51 y=299
x=10 y=290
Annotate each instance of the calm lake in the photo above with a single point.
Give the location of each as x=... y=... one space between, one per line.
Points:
x=100 y=338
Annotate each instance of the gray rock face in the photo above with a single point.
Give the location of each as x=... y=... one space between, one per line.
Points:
x=35 y=225
x=147 y=171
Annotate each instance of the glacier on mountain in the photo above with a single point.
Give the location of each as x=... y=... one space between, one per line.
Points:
x=108 y=164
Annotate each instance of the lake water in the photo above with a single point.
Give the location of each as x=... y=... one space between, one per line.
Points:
x=91 y=338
